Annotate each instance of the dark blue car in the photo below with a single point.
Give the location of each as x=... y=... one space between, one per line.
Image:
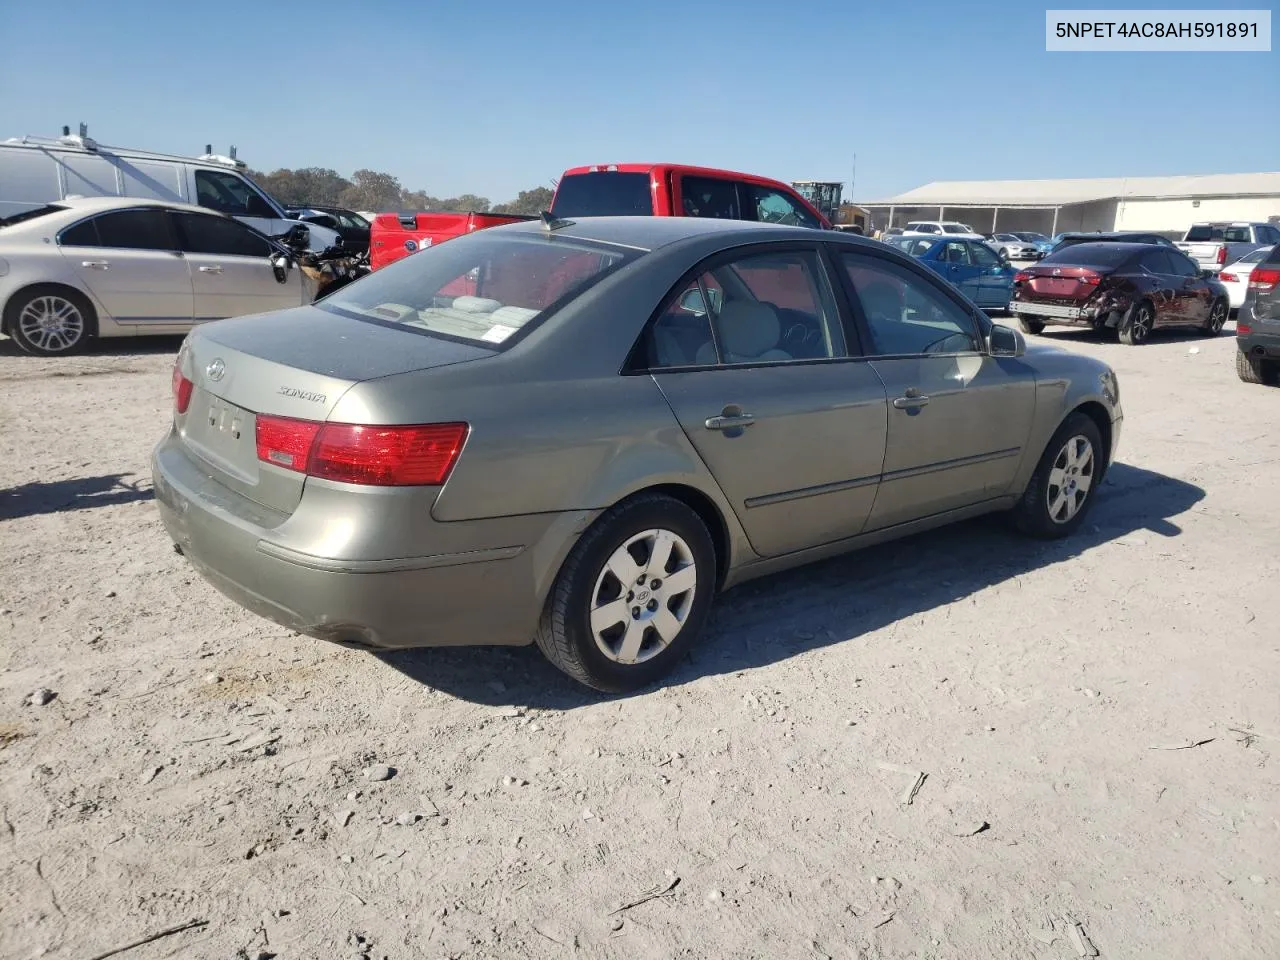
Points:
x=970 y=264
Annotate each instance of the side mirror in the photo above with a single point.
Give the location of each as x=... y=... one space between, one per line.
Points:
x=692 y=302
x=280 y=266
x=1005 y=341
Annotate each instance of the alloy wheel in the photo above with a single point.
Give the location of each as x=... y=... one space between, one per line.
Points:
x=643 y=596
x=1070 y=479
x=51 y=324
x=1217 y=317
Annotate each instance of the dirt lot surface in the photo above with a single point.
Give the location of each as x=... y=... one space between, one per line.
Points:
x=198 y=763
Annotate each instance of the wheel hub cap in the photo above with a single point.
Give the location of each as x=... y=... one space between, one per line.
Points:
x=1070 y=479
x=643 y=596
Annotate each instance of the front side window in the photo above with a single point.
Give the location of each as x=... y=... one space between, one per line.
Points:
x=774 y=206
x=123 y=230
x=907 y=314
x=219 y=236
x=227 y=193
x=710 y=197
x=983 y=256
x=482 y=287
x=763 y=308
x=955 y=252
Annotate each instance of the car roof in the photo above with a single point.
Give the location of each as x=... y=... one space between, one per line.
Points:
x=1111 y=245
x=650 y=233
x=96 y=204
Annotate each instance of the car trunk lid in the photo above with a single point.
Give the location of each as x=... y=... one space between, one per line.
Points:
x=1060 y=283
x=295 y=364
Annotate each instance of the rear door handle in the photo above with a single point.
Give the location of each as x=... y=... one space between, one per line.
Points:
x=96 y=264
x=730 y=422
x=213 y=269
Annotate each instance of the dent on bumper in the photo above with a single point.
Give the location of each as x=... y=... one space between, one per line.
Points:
x=481 y=597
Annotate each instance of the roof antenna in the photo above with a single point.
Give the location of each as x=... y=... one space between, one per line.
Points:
x=551 y=222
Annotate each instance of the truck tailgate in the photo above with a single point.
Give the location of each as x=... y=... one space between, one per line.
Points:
x=395 y=236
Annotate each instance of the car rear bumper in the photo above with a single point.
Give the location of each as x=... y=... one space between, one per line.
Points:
x=1263 y=340
x=486 y=595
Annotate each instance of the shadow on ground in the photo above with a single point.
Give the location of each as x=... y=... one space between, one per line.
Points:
x=778 y=617
x=82 y=493
x=110 y=347
x=1065 y=336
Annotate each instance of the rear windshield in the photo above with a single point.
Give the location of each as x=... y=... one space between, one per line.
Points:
x=1212 y=231
x=606 y=194
x=26 y=215
x=1091 y=255
x=1032 y=237
x=482 y=288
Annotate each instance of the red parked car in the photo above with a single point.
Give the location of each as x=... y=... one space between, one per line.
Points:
x=1132 y=288
x=614 y=190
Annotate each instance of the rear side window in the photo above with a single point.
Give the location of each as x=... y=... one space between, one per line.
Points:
x=1156 y=261
x=482 y=288
x=603 y=194
x=26 y=215
x=134 y=230
x=219 y=236
x=83 y=234
x=710 y=198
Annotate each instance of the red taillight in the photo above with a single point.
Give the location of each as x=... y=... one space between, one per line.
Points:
x=1021 y=276
x=1089 y=279
x=1222 y=254
x=1243 y=329
x=286 y=443
x=181 y=390
x=1264 y=279
x=398 y=456
x=1228 y=277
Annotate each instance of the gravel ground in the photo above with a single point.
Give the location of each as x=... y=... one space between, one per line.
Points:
x=197 y=763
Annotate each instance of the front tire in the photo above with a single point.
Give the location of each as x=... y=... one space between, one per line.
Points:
x=1065 y=481
x=50 y=321
x=1217 y=319
x=632 y=595
x=1137 y=324
x=1031 y=326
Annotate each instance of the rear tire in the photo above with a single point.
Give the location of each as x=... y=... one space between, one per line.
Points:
x=1031 y=326
x=50 y=320
x=1217 y=319
x=1137 y=324
x=1054 y=503
x=619 y=616
x=1252 y=369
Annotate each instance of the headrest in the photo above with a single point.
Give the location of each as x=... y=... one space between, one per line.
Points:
x=748 y=328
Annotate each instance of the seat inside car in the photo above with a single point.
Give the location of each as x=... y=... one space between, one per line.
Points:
x=749 y=332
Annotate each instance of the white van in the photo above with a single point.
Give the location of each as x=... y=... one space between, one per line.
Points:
x=35 y=171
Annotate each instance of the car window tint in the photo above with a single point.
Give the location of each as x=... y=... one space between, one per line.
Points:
x=954 y=251
x=227 y=193
x=1180 y=265
x=774 y=206
x=907 y=314
x=83 y=234
x=135 y=230
x=710 y=197
x=219 y=236
x=682 y=333
x=983 y=256
x=1155 y=261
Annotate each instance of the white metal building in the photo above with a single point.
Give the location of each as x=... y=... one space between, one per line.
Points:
x=1160 y=204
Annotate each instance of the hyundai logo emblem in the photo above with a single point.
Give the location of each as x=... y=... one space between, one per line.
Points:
x=216 y=369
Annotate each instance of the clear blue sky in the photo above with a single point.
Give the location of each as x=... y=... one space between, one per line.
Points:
x=491 y=96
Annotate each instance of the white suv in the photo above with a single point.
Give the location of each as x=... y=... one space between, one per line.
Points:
x=930 y=228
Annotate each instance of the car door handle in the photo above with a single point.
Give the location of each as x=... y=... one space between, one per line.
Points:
x=910 y=402
x=96 y=264
x=213 y=269
x=730 y=422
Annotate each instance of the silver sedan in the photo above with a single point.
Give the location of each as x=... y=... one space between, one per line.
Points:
x=578 y=433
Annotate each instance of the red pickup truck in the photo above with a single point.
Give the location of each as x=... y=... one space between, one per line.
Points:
x=615 y=190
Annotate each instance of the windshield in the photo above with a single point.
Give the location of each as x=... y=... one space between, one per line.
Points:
x=607 y=194
x=26 y=215
x=1032 y=237
x=480 y=288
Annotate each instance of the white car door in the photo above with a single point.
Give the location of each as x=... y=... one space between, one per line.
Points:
x=231 y=270
x=130 y=262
